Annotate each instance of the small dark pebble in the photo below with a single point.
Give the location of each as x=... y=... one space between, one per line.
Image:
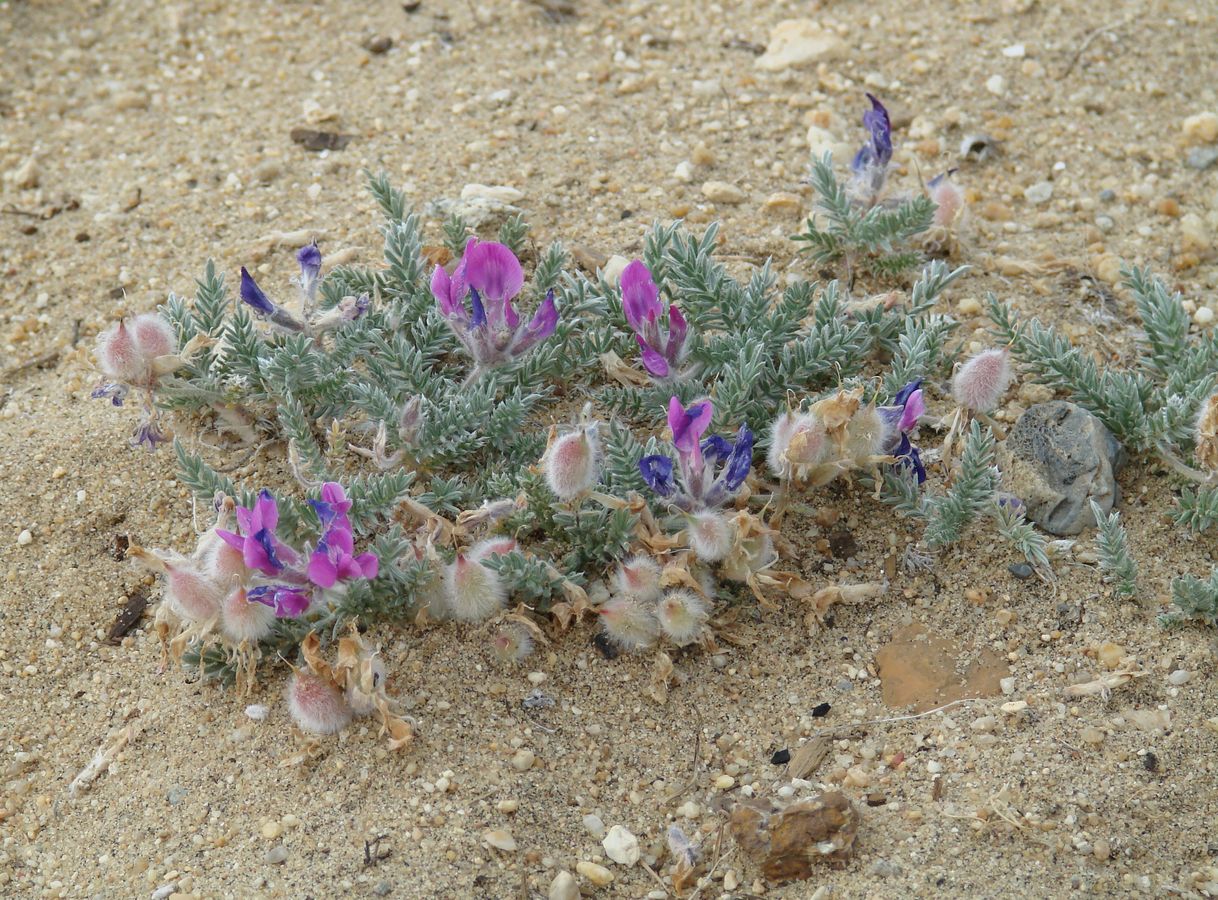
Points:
x=117 y=293
x=1022 y=571
x=383 y=889
x=781 y=758
x=82 y=237
x=319 y=140
x=29 y=229
x=411 y=8
x=842 y=543
x=821 y=710
x=874 y=799
x=601 y=643
x=378 y=45
x=1150 y=762
x=626 y=214
x=118 y=547
x=1107 y=195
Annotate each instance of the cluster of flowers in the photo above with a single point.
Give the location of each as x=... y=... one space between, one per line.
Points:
x=239 y=583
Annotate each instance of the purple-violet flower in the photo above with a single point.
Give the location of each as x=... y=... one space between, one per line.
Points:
x=309 y=257
x=870 y=164
x=255 y=298
x=115 y=391
x=490 y=330
x=288 y=601
x=148 y=432
x=260 y=547
x=333 y=558
x=902 y=417
x=662 y=353
x=711 y=470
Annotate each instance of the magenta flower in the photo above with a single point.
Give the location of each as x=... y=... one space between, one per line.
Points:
x=490 y=330
x=260 y=548
x=287 y=600
x=688 y=426
x=332 y=561
x=662 y=353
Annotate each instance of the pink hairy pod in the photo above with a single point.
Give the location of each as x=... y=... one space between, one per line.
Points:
x=980 y=383
x=628 y=625
x=473 y=591
x=639 y=578
x=242 y=620
x=682 y=615
x=316 y=705
x=572 y=463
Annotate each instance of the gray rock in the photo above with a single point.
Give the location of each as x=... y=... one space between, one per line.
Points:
x=1057 y=458
x=277 y=855
x=1201 y=158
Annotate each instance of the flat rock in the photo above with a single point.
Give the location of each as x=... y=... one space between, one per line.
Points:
x=1058 y=458
x=796 y=43
x=621 y=846
x=789 y=840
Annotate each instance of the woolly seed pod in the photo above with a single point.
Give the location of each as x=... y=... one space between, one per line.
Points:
x=495 y=546
x=749 y=557
x=511 y=644
x=153 y=336
x=866 y=435
x=981 y=382
x=473 y=591
x=241 y=619
x=630 y=626
x=362 y=691
x=948 y=200
x=682 y=614
x=797 y=441
x=316 y=705
x=710 y=535
x=639 y=578
x=118 y=355
x=781 y=430
x=190 y=594
x=572 y=464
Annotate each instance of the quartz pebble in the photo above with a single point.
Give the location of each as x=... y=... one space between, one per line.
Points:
x=1179 y=677
x=781 y=204
x=272 y=830
x=598 y=875
x=1041 y=192
x=1014 y=706
x=684 y=172
x=996 y=85
x=500 y=839
x=1014 y=51
x=795 y=43
x=594 y=826
x=507 y=806
x=563 y=887
x=523 y=760
x=723 y=192
x=1202 y=128
x=24 y=538
x=621 y=846
x=277 y=855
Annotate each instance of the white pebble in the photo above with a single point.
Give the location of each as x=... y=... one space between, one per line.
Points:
x=1015 y=51
x=564 y=887
x=1007 y=685
x=934 y=767
x=501 y=839
x=684 y=171
x=1040 y=192
x=1203 y=316
x=996 y=85
x=257 y=711
x=621 y=846
x=594 y=825
x=24 y=538
x=723 y=192
x=1179 y=677
x=536 y=678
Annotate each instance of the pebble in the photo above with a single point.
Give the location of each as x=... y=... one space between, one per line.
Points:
x=1201 y=158
x=523 y=760
x=984 y=724
x=1014 y=706
x=1107 y=195
x=26 y=175
x=272 y=830
x=621 y=846
x=689 y=810
x=1007 y=685
x=725 y=782
x=1101 y=849
x=383 y=888
x=1194 y=235
x=1203 y=316
x=796 y=43
x=1041 y=192
x=684 y=172
x=1179 y=677
x=723 y=192
x=497 y=192
x=598 y=875
x=1104 y=223
x=594 y=825
x=507 y=806
x=536 y=678
x=563 y=887
x=1014 y=51
x=783 y=204
x=1022 y=571
x=500 y=839
x=703 y=156
x=614 y=268
x=276 y=855
x=1092 y=735
x=996 y=85
x=1202 y=128
x=25 y=538
x=1057 y=459
x=379 y=44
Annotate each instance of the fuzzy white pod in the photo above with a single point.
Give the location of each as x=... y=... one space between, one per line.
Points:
x=682 y=615
x=628 y=624
x=153 y=336
x=710 y=535
x=948 y=200
x=980 y=383
x=797 y=441
x=866 y=435
x=191 y=594
x=316 y=705
x=511 y=644
x=572 y=463
x=495 y=546
x=639 y=578
x=118 y=355
x=242 y=619
x=472 y=591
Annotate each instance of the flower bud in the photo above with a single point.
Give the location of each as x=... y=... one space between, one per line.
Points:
x=242 y=620
x=511 y=644
x=153 y=336
x=682 y=614
x=710 y=535
x=473 y=591
x=981 y=382
x=628 y=625
x=118 y=355
x=638 y=578
x=572 y=463
x=316 y=705
x=190 y=594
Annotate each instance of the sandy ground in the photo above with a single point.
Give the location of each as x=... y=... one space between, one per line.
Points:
x=160 y=136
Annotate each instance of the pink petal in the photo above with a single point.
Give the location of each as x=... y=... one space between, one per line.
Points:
x=653 y=362
x=368 y=564
x=915 y=408
x=493 y=270
x=236 y=541
x=640 y=296
x=322 y=570
x=677 y=329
